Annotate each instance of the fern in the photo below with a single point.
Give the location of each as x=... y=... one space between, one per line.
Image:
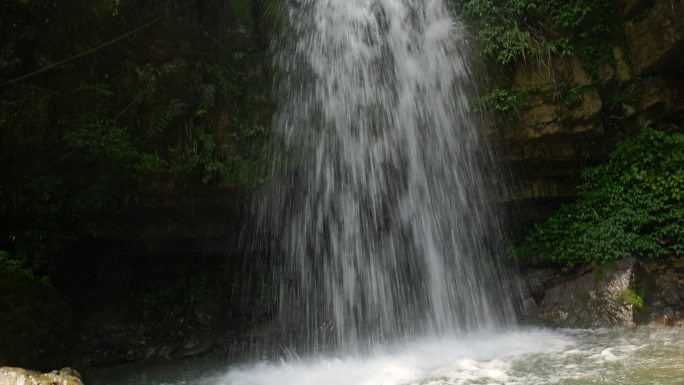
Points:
x=164 y=116
x=207 y=99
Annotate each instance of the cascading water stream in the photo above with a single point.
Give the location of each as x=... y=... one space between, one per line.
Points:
x=380 y=200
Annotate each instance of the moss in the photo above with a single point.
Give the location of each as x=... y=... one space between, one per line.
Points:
x=629 y=297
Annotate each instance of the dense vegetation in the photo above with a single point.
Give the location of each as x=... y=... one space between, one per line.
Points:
x=524 y=32
x=105 y=104
x=518 y=30
x=633 y=205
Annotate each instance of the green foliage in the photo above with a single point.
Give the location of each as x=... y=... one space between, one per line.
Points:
x=515 y=30
x=13 y=265
x=163 y=116
x=504 y=102
x=633 y=205
x=248 y=169
x=629 y=297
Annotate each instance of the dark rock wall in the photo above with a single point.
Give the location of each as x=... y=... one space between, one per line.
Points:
x=166 y=254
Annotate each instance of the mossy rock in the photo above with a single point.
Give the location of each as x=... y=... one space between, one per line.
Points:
x=34 y=321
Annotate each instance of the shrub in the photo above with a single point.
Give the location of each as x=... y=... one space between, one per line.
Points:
x=510 y=31
x=8 y=264
x=633 y=205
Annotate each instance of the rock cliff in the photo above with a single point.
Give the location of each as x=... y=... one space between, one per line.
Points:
x=573 y=115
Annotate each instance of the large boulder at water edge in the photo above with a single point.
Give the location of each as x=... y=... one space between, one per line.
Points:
x=623 y=293
x=598 y=298
x=18 y=376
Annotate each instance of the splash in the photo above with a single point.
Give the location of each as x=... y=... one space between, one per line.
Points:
x=516 y=357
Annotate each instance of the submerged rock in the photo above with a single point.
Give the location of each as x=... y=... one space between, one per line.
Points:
x=18 y=376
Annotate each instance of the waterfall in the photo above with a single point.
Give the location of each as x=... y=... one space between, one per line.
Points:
x=381 y=201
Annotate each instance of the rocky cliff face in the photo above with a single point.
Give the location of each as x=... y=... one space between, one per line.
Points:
x=573 y=115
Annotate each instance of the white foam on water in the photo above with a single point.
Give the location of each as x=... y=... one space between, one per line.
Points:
x=522 y=357
x=476 y=358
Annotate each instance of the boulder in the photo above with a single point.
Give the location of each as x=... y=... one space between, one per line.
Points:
x=602 y=297
x=623 y=293
x=18 y=376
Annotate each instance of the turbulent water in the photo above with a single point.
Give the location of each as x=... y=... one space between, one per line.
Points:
x=380 y=201
x=525 y=357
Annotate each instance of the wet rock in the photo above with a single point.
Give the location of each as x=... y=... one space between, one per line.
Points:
x=657 y=40
x=164 y=333
x=68 y=372
x=631 y=8
x=670 y=295
x=206 y=312
x=18 y=376
x=623 y=293
x=602 y=297
x=538 y=281
x=194 y=347
x=529 y=306
x=662 y=286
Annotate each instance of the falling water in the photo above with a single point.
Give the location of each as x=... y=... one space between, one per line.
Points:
x=380 y=199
